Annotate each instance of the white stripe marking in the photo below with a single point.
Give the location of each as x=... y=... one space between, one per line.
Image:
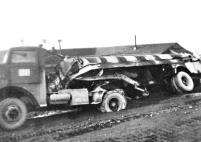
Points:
x=157 y=62
x=174 y=61
x=111 y=59
x=84 y=70
x=98 y=59
x=130 y=58
x=149 y=57
x=164 y=56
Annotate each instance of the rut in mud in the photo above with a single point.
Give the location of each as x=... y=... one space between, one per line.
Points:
x=113 y=122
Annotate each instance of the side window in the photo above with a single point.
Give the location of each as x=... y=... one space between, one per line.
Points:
x=23 y=57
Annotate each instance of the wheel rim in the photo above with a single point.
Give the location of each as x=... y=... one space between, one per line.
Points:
x=184 y=81
x=12 y=114
x=114 y=104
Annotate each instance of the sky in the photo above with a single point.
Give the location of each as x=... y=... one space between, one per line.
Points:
x=98 y=23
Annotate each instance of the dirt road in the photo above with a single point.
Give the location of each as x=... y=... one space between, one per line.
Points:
x=157 y=118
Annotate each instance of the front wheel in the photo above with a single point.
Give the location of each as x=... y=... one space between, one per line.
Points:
x=13 y=113
x=113 y=101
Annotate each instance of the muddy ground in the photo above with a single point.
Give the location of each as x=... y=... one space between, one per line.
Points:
x=159 y=117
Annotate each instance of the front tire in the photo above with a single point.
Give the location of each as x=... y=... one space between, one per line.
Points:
x=13 y=113
x=113 y=101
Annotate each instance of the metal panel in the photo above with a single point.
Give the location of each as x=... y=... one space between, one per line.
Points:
x=79 y=96
x=24 y=67
x=24 y=74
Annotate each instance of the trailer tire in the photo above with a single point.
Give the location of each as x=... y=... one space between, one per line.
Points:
x=175 y=88
x=184 y=81
x=113 y=101
x=13 y=113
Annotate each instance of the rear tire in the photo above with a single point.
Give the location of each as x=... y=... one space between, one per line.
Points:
x=182 y=82
x=113 y=101
x=13 y=113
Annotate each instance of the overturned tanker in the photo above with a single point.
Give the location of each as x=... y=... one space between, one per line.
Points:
x=106 y=81
x=132 y=73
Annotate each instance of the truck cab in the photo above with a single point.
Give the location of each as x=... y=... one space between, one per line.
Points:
x=22 y=84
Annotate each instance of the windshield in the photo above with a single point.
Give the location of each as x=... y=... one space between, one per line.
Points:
x=3 y=56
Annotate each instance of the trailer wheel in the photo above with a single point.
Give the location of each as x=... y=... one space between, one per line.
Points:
x=113 y=101
x=184 y=81
x=12 y=113
x=174 y=86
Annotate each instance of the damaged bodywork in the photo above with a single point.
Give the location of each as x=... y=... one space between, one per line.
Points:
x=132 y=73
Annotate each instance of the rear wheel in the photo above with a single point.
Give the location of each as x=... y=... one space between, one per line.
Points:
x=182 y=82
x=113 y=101
x=13 y=113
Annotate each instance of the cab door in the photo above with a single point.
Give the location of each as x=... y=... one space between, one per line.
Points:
x=24 y=66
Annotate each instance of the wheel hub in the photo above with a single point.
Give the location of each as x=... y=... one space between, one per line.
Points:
x=12 y=113
x=114 y=104
x=184 y=81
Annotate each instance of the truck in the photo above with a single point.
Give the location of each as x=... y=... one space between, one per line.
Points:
x=28 y=83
